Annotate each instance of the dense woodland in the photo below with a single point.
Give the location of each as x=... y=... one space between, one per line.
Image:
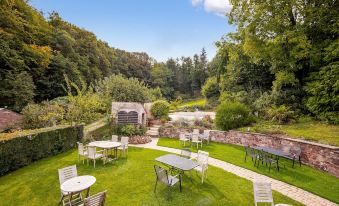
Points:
x=284 y=55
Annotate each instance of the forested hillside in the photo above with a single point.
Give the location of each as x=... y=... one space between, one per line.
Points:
x=36 y=53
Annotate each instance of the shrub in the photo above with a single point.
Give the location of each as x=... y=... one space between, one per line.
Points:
x=20 y=151
x=45 y=114
x=160 y=109
x=281 y=114
x=211 y=90
x=128 y=129
x=122 y=89
x=231 y=115
x=323 y=91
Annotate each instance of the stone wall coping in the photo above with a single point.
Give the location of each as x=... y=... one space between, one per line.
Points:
x=272 y=135
x=285 y=137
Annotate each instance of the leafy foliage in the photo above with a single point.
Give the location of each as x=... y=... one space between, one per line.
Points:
x=231 y=115
x=211 y=90
x=324 y=93
x=45 y=114
x=121 y=89
x=160 y=109
x=281 y=114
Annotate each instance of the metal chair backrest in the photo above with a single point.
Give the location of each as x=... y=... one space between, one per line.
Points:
x=206 y=133
x=296 y=151
x=262 y=192
x=182 y=135
x=124 y=141
x=67 y=173
x=161 y=174
x=96 y=200
x=91 y=151
x=195 y=137
x=286 y=149
x=186 y=153
x=81 y=148
x=114 y=138
x=196 y=131
x=202 y=157
x=244 y=142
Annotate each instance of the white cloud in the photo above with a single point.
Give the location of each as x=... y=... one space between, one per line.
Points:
x=218 y=7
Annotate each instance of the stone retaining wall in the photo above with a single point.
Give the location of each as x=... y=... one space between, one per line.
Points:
x=324 y=157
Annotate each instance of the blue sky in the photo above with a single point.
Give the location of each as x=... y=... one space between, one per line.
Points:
x=162 y=28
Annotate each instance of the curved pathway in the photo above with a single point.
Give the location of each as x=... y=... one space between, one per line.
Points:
x=288 y=190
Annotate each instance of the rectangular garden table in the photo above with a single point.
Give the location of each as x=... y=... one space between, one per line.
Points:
x=180 y=163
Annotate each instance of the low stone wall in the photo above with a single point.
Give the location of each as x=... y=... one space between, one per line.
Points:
x=324 y=157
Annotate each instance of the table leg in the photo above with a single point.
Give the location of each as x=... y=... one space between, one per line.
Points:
x=70 y=199
x=87 y=193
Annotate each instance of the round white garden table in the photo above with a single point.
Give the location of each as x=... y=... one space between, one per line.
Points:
x=107 y=145
x=77 y=184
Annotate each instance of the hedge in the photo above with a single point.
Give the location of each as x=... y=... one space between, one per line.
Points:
x=23 y=150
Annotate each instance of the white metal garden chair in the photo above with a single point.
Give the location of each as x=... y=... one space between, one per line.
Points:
x=124 y=146
x=183 y=139
x=263 y=193
x=93 y=154
x=64 y=175
x=196 y=140
x=96 y=200
x=114 y=138
x=202 y=160
x=206 y=136
x=196 y=131
x=82 y=152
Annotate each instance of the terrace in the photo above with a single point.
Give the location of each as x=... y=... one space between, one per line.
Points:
x=130 y=180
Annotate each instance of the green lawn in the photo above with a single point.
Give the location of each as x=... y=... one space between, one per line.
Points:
x=304 y=129
x=198 y=102
x=128 y=182
x=305 y=177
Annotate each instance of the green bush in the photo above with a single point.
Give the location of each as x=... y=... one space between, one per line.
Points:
x=231 y=115
x=211 y=90
x=281 y=114
x=160 y=109
x=323 y=99
x=45 y=114
x=128 y=129
x=20 y=151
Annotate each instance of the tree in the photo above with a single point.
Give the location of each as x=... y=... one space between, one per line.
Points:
x=121 y=89
x=161 y=77
x=17 y=90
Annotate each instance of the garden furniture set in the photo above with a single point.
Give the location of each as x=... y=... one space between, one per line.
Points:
x=72 y=185
x=180 y=164
x=195 y=137
x=90 y=151
x=270 y=156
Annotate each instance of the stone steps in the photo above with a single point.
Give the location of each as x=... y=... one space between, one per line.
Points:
x=153 y=131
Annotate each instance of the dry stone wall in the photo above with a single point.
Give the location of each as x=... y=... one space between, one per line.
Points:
x=323 y=157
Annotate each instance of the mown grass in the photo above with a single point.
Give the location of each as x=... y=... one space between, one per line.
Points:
x=305 y=128
x=198 y=102
x=304 y=177
x=128 y=182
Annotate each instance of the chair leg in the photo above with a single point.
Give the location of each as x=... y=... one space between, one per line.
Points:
x=155 y=186
x=299 y=161
x=180 y=179
x=94 y=163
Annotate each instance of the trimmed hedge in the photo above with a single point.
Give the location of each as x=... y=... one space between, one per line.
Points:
x=21 y=151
